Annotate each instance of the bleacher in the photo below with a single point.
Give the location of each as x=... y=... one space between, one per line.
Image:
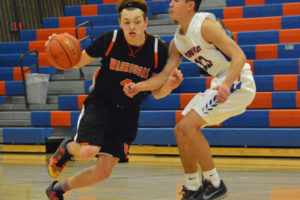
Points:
x=268 y=31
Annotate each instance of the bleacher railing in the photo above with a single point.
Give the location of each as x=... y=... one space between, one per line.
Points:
x=28 y=14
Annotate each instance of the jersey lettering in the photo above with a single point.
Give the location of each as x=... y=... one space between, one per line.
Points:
x=203 y=62
x=140 y=71
x=192 y=51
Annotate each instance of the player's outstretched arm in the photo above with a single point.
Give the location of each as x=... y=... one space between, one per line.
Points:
x=156 y=81
x=173 y=82
x=84 y=60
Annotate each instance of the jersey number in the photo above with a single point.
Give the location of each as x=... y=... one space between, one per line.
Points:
x=203 y=62
x=126 y=81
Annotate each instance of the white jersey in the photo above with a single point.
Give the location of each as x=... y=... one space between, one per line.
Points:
x=193 y=47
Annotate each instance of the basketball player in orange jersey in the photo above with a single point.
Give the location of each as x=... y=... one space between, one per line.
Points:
x=108 y=121
x=201 y=40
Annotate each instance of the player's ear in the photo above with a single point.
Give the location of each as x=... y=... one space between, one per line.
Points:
x=146 y=22
x=191 y=5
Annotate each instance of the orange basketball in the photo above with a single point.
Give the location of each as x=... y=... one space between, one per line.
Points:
x=63 y=51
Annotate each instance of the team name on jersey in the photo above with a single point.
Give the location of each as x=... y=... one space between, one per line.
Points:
x=192 y=51
x=121 y=66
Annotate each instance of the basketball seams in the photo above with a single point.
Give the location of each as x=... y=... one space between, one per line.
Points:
x=75 y=43
x=63 y=48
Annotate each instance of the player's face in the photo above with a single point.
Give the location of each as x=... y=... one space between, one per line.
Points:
x=178 y=9
x=133 y=24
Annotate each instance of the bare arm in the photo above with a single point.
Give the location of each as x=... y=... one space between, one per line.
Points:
x=212 y=33
x=84 y=60
x=173 y=82
x=157 y=81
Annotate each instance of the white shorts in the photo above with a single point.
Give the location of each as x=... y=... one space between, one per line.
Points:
x=243 y=92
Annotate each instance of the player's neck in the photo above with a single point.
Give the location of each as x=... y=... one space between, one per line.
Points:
x=185 y=22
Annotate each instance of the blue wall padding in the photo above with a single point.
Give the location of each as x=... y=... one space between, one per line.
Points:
x=107 y=9
x=68 y=102
x=290 y=22
x=157 y=119
x=72 y=10
x=86 y=43
x=275 y=66
x=230 y=3
x=97 y=31
x=192 y=84
x=283 y=100
x=253 y=137
x=87 y=84
x=40 y=118
x=155 y=136
x=6 y=74
x=259 y=37
x=12 y=60
x=94 y=2
x=167 y=38
x=250 y=118
x=2 y=99
x=13 y=47
x=26 y=135
x=280 y=1
x=14 y=88
x=218 y=12
x=170 y=102
x=262 y=11
x=158 y=7
x=28 y=35
x=189 y=69
x=74 y=118
x=51 y=22
x=264 y=83
x=249 y=51
x=288 y=50
x=100 y=20
x=239 y=137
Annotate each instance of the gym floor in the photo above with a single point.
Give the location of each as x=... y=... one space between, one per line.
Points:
x=24 y=176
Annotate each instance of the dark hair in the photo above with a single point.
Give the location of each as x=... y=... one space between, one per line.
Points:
x=131 y=4
x=197 y=4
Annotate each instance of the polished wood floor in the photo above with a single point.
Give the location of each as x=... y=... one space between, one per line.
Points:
x=24 y=177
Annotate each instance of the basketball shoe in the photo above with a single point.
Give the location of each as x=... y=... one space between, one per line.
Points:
x=54 y=194
x=59 y=159
x=212 y=193
x=190 y=194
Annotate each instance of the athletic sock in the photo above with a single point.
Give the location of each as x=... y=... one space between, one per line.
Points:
x=62 y=186
x=192 y=181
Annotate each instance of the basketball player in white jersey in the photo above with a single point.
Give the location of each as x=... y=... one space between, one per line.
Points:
x=201 y=40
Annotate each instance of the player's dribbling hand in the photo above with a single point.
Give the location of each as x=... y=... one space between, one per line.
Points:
x=223 y=93
x=175 y=79
x=49 y=38
x=131 y=89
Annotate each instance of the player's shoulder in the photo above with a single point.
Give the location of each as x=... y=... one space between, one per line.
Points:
x=162 y=45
